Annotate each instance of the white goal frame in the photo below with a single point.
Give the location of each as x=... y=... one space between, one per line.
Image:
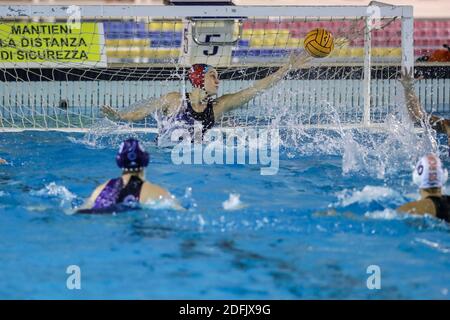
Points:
x=405 y=13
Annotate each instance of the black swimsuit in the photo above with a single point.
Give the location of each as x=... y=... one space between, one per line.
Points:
x=186 y=116
x=132 y=191
x=442 y=207
x=189 y=116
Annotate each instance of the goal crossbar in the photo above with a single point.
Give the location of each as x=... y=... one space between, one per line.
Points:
x=120 y=11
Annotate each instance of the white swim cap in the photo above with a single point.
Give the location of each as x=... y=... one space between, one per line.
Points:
x=429 y=173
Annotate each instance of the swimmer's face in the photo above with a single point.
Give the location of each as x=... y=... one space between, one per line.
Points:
x=211 y=83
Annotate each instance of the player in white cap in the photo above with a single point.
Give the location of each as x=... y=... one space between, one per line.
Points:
x=430 y=177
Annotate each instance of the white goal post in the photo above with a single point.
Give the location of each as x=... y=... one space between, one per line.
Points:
x=139 y=52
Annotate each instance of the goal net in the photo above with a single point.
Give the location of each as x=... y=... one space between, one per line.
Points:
x=59 y=65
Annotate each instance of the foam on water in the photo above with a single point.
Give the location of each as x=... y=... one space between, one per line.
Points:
x=52 y=190
x=369 y=194
x=386 y=214
x=233 y=202
x=162 y=204
x=434 y=245
x=68 y=201
x=106 y=133
x=188 y=201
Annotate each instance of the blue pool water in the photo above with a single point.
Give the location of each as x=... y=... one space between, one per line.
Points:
x=308 y=232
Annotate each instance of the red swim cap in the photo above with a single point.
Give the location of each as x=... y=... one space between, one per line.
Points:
x=196 y=74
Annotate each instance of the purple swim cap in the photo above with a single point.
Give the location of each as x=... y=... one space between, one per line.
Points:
x=131 y=156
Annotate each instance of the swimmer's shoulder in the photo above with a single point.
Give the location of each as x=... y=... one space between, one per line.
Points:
x=150 y=191
x=425 y=206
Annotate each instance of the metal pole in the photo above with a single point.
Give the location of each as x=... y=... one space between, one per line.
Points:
x=367 y=71
x=408 y=38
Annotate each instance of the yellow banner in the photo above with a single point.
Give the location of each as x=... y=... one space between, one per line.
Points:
x=52 y=44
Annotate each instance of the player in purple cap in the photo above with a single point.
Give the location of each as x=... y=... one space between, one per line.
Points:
x=201 y=104
x=131 y=188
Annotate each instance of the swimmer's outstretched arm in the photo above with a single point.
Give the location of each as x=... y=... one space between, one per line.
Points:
x=415 y=109
x=166 y=104
x=413 y=104
x=3 y=161
x=234 y=100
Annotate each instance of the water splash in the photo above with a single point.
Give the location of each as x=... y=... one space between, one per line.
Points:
x=386 y=214
x=386 y=153
x=108 y=134
x=233 y=202
x=434 y=245
x=187 y=201
x=161 y=204
x=379 y=152
x=369 y=194
x=54 y=191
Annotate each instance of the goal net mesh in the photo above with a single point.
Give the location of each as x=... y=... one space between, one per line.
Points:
x=57 y=75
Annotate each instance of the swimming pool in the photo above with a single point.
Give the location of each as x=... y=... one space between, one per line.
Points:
x=308 y=232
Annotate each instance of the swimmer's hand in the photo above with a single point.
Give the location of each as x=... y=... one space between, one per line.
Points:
x=407 y=78
x=111 y=113
x=297 y=60
x=341 y=42
x=3 y=161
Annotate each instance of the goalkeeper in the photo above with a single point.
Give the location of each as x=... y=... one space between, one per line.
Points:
x=200 y=105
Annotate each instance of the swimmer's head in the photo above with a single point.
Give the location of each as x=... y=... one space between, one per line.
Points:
x=131 y=156
x=205 y=77
x=429 y=172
